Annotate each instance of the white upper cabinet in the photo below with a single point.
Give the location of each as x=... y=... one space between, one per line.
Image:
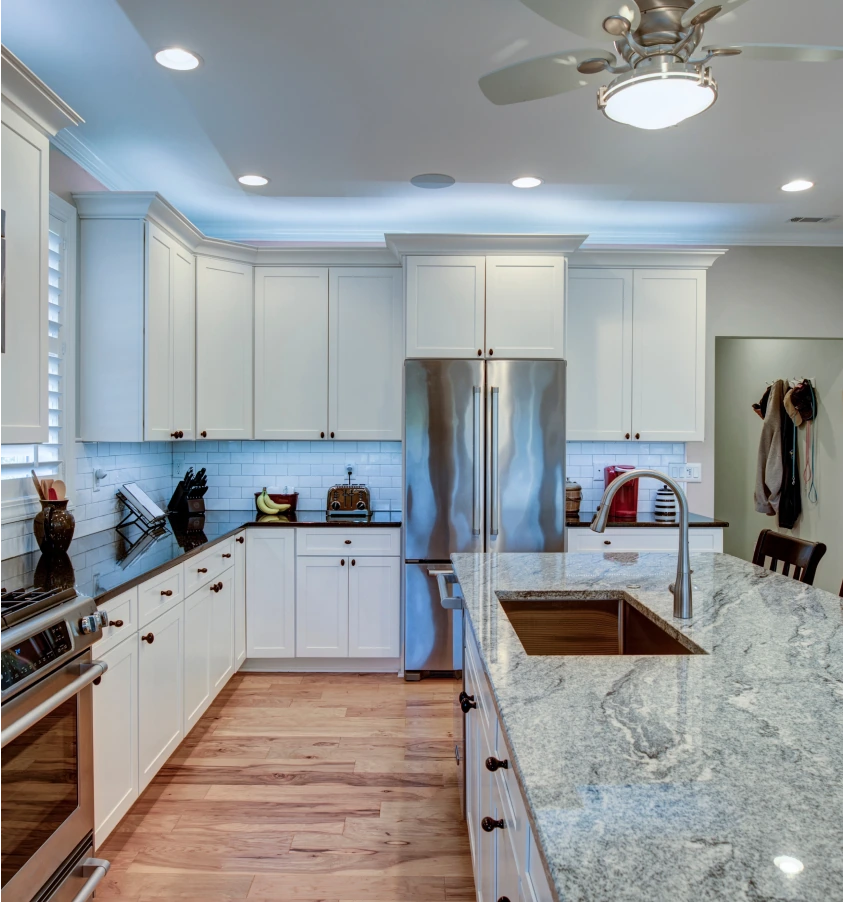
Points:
x=668 y=363
x=446 y=299
x=224 y=335
x=31 y=113
x=291 y=352
x=137 y=315
x=525 y=307
x=636 y=355
x=365 y=359
x=599 y=355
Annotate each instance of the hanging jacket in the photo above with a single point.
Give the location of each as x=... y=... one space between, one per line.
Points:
x=768 y=479
x=790 y=505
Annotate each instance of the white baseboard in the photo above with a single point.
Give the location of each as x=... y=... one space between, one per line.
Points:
x=322 y=665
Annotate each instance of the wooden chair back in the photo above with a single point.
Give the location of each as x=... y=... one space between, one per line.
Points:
x=802 y=555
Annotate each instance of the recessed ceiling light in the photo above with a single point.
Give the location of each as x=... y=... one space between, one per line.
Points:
x=527 y=181
x=177 y=58
x=798 y=185
x=787 y=864
x=432 y=180
x=253 y=180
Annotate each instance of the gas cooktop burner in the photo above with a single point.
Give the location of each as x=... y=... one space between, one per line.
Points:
x=21 y=604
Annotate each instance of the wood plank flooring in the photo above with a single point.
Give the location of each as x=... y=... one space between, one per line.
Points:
x=303 y=788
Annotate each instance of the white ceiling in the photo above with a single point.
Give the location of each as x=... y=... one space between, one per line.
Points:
x=341 y=102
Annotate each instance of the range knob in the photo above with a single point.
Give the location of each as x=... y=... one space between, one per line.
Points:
x=89 y=624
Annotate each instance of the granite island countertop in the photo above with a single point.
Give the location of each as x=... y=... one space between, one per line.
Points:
x=675 y=778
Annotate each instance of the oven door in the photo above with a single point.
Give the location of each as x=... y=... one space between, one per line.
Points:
x=47 y=778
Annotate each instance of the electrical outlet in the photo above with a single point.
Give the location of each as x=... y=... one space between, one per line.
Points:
x=685 y=472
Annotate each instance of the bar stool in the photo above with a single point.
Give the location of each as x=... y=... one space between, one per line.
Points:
x=802 y=555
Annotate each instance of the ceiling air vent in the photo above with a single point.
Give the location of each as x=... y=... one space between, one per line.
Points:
x=814 y=219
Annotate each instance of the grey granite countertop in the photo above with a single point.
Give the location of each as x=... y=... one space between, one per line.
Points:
x=643 y=518
x=675 y=778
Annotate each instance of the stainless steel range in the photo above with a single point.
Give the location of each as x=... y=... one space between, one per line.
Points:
x=47 y=741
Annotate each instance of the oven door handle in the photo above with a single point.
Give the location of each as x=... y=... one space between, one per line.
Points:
x=94 y=869
x=89 y=673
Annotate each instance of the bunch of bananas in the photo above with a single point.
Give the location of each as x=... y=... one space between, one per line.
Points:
x=267 y=506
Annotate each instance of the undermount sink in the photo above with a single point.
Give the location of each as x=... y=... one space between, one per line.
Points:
x=599 y=625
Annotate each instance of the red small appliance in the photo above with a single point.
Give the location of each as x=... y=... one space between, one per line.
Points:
x=625 y=503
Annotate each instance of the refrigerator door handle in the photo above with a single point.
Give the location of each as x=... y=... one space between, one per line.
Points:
x=478 y=462
x=495 y=481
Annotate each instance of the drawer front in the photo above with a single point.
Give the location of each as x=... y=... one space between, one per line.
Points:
x=160 y=594
x=123 y=615
x=483 y=694
x=360 y=541
x=207 y=566
x=515 y=814
x=536 y=878
x=656 y=538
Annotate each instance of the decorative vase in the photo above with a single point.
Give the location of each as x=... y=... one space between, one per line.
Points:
x=665 y=505
x=53 y=527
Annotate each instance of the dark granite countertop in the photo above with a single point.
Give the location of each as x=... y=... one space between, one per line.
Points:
x=104 y=564
x=646 y=519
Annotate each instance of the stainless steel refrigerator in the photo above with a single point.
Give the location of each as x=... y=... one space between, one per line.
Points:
x=484 y=470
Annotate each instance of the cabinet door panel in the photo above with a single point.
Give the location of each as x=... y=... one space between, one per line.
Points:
x=525 y=307
x=160 y=692
x=239 y=600
x=291 y=352
x=158 y=394
x=668 y=338
x=271 y=593
x=224 y=336
x=116 y=737
x=197 y=656
x=25 y=166
x=446 y=299
x=184 y=342
x=373 y=607
x=222 y=633
x=322 y=607
x=365 y=361
x=599 y=355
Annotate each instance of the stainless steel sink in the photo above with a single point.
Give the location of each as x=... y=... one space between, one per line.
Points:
x=585 y=625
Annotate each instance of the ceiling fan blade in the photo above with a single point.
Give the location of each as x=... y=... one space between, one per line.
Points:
x=544 y=76
x=702 y=8
x=785 y=53
x=585 y=17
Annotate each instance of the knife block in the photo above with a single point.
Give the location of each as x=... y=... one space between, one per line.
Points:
x=181 y=504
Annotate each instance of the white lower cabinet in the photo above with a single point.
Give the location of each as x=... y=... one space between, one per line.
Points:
x=239 y=600
x=115 y=737
x=322 y=607
x=160 y=691
x=373 y=612
x=271 y=592
x=222 y=633
x=197 y=656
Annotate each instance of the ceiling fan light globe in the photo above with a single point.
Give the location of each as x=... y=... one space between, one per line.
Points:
x=658 y=100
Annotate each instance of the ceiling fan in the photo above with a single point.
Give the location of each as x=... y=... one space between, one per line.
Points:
x=659 y=82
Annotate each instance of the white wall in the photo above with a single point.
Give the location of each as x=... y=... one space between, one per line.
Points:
x=764 y=292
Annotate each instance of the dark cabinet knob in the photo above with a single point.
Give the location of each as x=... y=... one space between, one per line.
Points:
x=607 y=542
x=203 y=434
x=467 y=704
x=342 y=563
x=149 y=637
x=489 y=824
x=175 y=435
x=464 y=695
x=332 y=435
x=216 y=587
x=167 y=592
x=638 y=435
x=479 y=352
x=240 y=539
x=493 y=764
x=226 y=555
x=353 y=562
x=201 y=569
x=117 y=623
x=504 y=899
x=627 y=435
x=321 y=435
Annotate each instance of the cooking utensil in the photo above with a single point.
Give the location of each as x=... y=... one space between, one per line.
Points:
x=38 y=487
x=60 y=489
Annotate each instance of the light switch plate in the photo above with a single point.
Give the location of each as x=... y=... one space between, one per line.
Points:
x=685 y=472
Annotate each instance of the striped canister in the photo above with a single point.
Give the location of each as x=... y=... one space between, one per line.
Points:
x=665 y=505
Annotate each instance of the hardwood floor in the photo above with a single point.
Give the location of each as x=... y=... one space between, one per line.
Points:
x=303 y=788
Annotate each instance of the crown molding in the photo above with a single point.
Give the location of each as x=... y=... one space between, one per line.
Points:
x=645 y=257
x=41 y=105
x=403 y=244
x=72 y=146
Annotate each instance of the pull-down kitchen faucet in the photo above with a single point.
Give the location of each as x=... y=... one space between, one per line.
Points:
x=681 y=589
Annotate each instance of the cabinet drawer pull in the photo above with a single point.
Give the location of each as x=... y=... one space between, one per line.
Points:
x=149 y=637
x=216 y=587
x=201 y=569
x=606 y=542
x=627 y=435
x=464 y=695
x=342 y=562
x=493 y=763
x=321 y=435
x=467 y=704
x=332 y=435
x=348 y=541
x=479 y=352
x=178 y=434
x=353 y=562
x=167 y=592
x=240 y=539
x=226 y=555
x=491 y=352
x=117 y=623
x=203 y=434
x=638 y=435
x=504 y=899
x=489 y=824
